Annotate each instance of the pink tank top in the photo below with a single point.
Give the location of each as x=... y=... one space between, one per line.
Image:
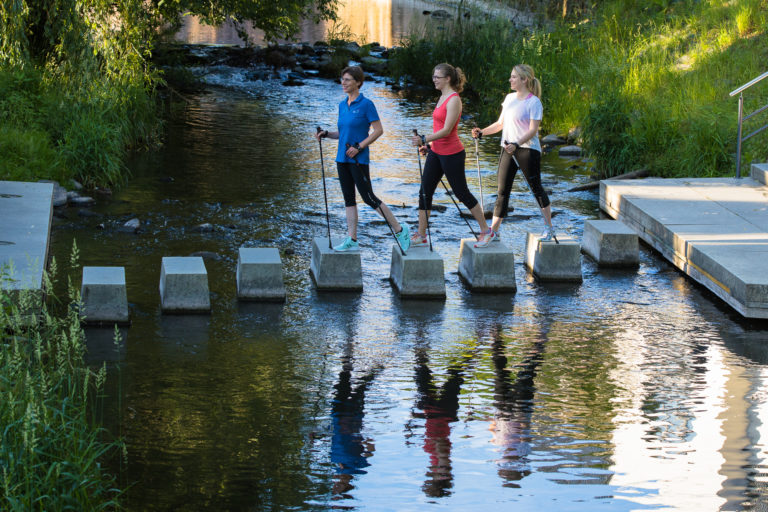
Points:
x=450 y=144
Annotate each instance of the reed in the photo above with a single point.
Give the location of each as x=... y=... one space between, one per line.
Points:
x=51 y=444
x=646 y=82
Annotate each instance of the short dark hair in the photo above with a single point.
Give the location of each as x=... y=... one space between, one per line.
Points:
x=355 y=72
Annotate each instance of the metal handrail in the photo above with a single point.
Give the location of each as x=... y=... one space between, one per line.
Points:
x=742 y=118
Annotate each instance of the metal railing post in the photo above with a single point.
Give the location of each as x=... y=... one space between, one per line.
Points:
x=742 y=118
x=738 y=138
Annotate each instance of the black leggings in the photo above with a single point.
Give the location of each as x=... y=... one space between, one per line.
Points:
x=530 y=164
x=453 y=168
x=356 y=174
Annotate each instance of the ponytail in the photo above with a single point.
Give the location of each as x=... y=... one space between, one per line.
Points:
x=456 y=76
x=525 y=72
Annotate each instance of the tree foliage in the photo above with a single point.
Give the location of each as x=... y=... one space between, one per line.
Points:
x=277 y=18
x=76 y=79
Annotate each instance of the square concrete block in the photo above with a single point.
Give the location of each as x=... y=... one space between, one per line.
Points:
x=550 y=261
x=490 y=268
x=611 y=243
x=184 y=285
x=260 y=274
x=418 y=274
x=332 y=270
x=759 y=173
x=104 y=295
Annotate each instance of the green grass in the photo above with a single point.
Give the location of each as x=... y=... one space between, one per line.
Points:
x=51 y=445
x=647 y=82
x=70 y=128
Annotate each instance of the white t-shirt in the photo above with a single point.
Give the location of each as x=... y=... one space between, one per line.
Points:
x=516 y=115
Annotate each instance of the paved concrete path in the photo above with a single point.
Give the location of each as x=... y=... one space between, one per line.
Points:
x=26 y=210
x=713 y=229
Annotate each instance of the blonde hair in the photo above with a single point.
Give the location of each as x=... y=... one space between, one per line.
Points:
x=526 y=74
x=456 y=75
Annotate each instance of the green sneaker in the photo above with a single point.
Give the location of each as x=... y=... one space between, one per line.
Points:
x=347 y=245
x=404 y=237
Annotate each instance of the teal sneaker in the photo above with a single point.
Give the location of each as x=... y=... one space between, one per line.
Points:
x=404 y=237
x=347 y=245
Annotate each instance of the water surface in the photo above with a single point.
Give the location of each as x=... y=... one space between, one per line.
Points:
x=632 y=390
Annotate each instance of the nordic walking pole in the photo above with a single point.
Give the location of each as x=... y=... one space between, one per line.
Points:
x=450 y=194
x=507 y=143
x=391 y=230
x=325 y=193
x=421 y=191
x=479 y=178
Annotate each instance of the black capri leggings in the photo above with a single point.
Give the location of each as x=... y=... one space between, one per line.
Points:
x=452 y=166
x=351 y=175
x=530 y=164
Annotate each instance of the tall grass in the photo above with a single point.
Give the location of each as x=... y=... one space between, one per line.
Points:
x=51 y=445
x=52 y=127
x=647 y=82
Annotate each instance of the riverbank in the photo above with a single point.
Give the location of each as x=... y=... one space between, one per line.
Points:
x=645 y=86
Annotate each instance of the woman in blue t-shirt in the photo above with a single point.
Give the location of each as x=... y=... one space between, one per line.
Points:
x=521 y=113
x=358 y=127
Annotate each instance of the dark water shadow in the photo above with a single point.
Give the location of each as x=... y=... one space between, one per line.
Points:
x=184 y=335
x=102 y=347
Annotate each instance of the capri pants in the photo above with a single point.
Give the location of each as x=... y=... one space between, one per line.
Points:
x=530 y=164
x=452 y=166
x=351 y=175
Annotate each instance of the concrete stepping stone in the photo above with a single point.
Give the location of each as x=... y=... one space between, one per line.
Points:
x=487 y=269
x=759 y=173
x=184 y=285
x=611 y=243
x=418 y=274
x=335 y=270
x=104 y=296
x=550 y=261
x=260 y=274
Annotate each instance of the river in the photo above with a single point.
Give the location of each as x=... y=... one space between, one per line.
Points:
x=633 y=390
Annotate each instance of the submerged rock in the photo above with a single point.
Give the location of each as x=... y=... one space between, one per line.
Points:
x=570 y=151
x=208 y=255
x=132 y=226
x=203 y=228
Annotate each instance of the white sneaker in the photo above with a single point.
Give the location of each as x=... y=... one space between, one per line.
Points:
x=485 y=239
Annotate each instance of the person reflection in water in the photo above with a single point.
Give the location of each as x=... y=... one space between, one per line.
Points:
x=439 y=409
x=513 y=397
x=349 y=449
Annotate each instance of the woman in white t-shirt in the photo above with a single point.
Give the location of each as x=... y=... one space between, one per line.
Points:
x=521 y=113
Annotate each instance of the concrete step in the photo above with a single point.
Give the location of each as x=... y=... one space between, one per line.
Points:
x=420 y=274
x=715 y=230
x=487 y=269
x=760 y=173
x=332 y=270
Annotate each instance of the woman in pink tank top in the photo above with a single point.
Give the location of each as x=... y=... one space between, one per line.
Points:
x=445 y=153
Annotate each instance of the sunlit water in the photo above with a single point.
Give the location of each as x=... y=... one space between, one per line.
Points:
x=633 y=390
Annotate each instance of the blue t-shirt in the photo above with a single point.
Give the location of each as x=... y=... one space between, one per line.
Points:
x=354 y=122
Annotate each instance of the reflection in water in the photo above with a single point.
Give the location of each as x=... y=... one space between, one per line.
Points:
x=349 y=449
x=439 y=407
x=513 y=396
